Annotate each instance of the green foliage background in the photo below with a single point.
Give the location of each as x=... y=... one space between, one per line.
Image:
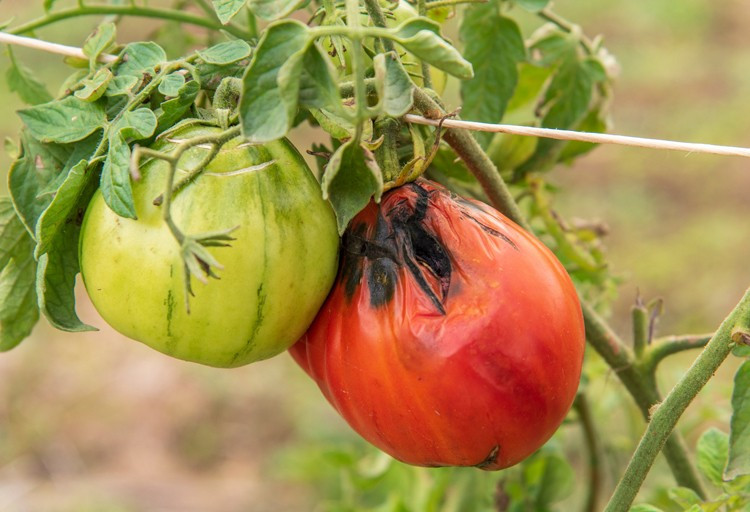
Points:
x=92 y=421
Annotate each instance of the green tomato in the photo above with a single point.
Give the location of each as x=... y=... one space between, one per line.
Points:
x=275 y=275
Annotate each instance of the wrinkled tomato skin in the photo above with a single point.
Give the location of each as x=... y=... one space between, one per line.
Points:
x=471 y=358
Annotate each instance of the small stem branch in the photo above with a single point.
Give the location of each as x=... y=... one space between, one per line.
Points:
x=666 y=416
x=435 y=4
x=596 y=473
x=129 y=10
x=567 y=26
x=661 y=348
x=640 y=328
x=378 y=19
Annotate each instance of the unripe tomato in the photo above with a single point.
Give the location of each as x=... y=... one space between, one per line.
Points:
x=276 y=273
x=451 y=335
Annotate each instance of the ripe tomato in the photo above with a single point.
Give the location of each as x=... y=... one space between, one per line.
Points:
x=451 y=335
x=276 y=273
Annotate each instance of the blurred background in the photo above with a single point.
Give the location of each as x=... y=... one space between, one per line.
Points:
x=96 y=422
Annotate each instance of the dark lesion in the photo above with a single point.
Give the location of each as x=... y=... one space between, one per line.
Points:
x=401 y=239
x=490 y=461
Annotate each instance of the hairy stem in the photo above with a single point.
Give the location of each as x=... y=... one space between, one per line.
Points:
x=596 y=471
x=665 y=418
x=664 y=347
x=378 y=19
x=129 y=10
x=426 y=75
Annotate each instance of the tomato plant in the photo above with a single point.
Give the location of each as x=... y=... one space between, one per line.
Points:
x=451 y=337
x=285 y=245
x=454 y=334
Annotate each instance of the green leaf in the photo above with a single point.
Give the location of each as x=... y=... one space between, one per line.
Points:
x=98 y=42
x=68 y=120
x=121 y=85
x=308 y=79
x=67 y=206
x=645 y=507
x=494 y=46
x=171 y=84
x=18 y=308
x=115 y=179
x=741 y=351
x=350 y=179
x=94 y=88
x=136 y=125
x=533 y=5
x=172 y=110
x=56 y=278
x=684 y=497
x=31 y=174
x=140 y=58
x=395 y=88
x=551 y=477
x=421 y=37
x=22 y=81
x=265 y=112
x=226 y=52
x=270 y=10
x=739 y=432
x=713 y=451
x=13 y=234
x=593 y=122
x=227 y=9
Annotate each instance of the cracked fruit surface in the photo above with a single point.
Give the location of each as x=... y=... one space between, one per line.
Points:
x=451 y=336
x=285 y=254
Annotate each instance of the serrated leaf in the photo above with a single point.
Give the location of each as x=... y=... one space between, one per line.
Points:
x=95 y=88
x=13 y=233
x=339 y=127
x=494 y=46
x=318 y=87
x=395 y=88
x=264 y=112
x=68 y=120
x=171 y=84
x=739 y=432
x=136 y=125
x=55 y=282
x=140 y=58
x=350 y=179
x=98 y=42
x=31 y=174
x=421 y=37
x=121 y=85
x=533 y=5
x=67 y=205
x=270 y=10
x=227 y=9
x=18 y=308
x=172 y=110
x=115 y=179
x=226 y=52
x=713 y=450
x=22 y=81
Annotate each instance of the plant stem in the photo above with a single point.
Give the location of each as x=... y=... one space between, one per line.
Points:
x=469 y=150
x=599 y=335
x=436 y=4
x=378 y=19
x=596 y=474
x=668 y=413
x=129 y=10
x=664 y=347
x=570 y=28
x=426 y=75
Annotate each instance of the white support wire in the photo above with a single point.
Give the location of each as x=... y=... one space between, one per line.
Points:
x=529 y=131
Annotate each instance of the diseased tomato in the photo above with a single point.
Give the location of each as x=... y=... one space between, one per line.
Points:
x=451 y=335
x=276 y=273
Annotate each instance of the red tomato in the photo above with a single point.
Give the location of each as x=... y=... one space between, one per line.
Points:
x=451 y=336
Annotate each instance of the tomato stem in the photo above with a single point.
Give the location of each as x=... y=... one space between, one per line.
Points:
x=665 y=417
x=426 y=75
x=596 y=469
